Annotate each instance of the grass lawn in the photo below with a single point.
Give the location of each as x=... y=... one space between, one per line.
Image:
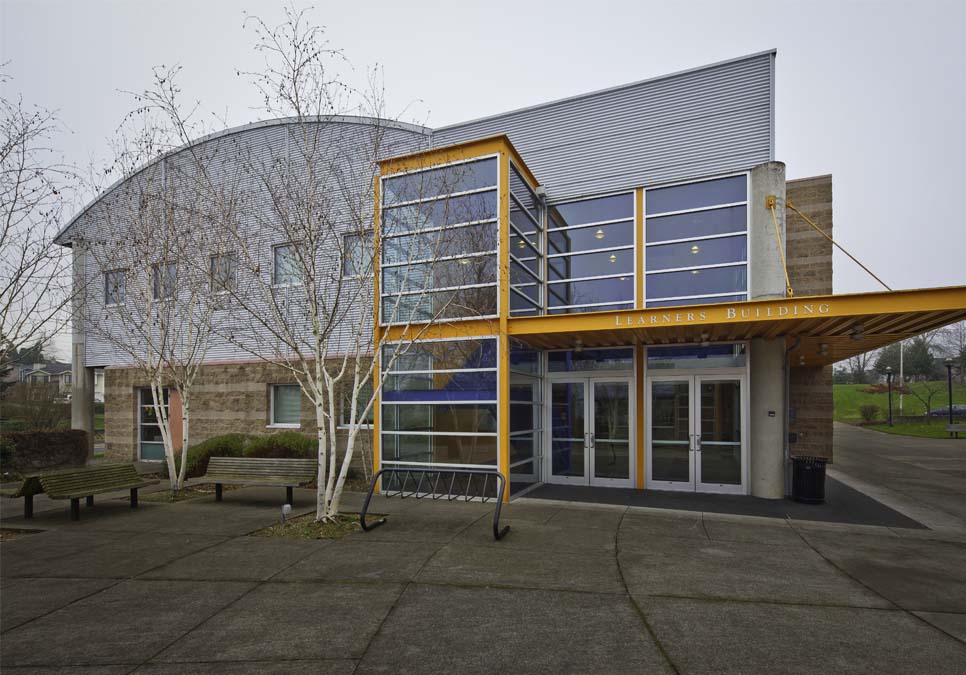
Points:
x=932 y=428
x=850 y=397
x=306 y=527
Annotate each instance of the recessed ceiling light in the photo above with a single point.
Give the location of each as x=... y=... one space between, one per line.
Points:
x=695 y=249
x=613 y=258
x=599 y=233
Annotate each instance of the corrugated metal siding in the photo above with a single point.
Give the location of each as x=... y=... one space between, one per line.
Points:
x=708 y=121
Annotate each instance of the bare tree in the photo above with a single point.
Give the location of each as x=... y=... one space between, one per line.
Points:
x=860 y=365
x=150 y=240
x=952 y=343
x=35 y=284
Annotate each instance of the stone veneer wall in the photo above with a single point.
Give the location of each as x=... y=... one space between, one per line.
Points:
x=810 y=272
x=227 y=398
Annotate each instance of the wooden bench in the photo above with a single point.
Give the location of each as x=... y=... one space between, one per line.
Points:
x=956 y=429
x=88 y=481
x=287 y=473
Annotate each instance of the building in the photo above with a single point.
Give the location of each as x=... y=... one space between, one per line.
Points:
x=45 y=373
x=612 y=291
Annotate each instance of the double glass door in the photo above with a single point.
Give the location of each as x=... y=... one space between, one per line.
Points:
x=590 y=431
x=695 y=433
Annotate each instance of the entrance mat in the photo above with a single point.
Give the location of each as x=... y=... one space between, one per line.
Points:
x=843 y=504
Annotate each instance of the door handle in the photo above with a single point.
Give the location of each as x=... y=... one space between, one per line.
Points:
x=691 y=443
x=591 y=440
x=697 y=443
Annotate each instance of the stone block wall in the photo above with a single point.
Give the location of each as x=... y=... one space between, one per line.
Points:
x=809 y=258
x=227 y=398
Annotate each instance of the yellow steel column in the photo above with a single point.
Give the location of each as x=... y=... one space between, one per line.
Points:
x=377 y=331
x=639 y=248
x=503 y=346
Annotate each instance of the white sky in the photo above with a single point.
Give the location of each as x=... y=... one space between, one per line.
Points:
x=871 y=92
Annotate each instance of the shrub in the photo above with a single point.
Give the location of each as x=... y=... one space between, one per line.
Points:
x=31 y=451
x=869 y=412
x=227 y=445
x=283 y=444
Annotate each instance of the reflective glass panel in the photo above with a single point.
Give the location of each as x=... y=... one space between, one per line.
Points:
x=721 y=432
x=592 y=210
x=440 y=355
x=591 y=359
x=440 y=274
x=459 y=386
x=445 y=180
x=440 y=243
x=697 y=224
x=591 y=264
x=696 y=301
x=695 y=195
x=446 y=211
x=670 y=431
x=692 y=356
x=455 y=304
x=440 y=418
x=440 y=449
x=697 y=253
x=590 y=238
x=567 y=428
x=595 y=291
x=697 y=282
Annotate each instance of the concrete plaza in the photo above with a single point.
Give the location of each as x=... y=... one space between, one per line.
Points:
x=183 y=588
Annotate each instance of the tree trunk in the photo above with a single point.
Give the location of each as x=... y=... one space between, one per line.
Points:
x=321 y=482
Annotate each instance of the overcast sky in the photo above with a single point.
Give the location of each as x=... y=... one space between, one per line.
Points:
x=871 y=92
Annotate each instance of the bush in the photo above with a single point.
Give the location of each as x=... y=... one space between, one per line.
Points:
x=31 y=451
x=869 y=412
x=284 y=444
x=227 y=445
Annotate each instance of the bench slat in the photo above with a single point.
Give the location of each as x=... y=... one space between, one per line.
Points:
x=261 y=471
x=91 y=480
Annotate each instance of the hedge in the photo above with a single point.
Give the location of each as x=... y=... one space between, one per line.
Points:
x=31 y=451
x=228 y=445
x=284 y=444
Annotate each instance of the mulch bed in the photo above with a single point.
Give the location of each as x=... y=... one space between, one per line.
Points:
x=307 y=528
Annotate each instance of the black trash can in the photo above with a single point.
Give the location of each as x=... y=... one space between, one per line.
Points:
x=808 y=479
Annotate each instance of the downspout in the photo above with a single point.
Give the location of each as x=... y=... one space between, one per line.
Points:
x=786 y=396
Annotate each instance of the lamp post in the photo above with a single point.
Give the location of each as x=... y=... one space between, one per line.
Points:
x=889 y=380
x=949 y=380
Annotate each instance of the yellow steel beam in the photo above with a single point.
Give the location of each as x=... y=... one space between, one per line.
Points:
x=503 y=373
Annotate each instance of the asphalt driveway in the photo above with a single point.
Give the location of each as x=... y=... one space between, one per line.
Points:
x=573 y=588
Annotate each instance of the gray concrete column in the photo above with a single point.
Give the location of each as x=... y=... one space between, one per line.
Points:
x=767 y=278
x=82 y=387
x=766 y=419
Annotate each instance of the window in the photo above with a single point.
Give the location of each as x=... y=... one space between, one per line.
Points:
x=285 y=270
x=365 y=394
x=164 y=281
x=286 y=403
x=439 y=243
x=590 y=255
x=357 y=254
x=223 y=273
x=150 y=441
x=114 y=287
x=696 y=243
x=526 y=247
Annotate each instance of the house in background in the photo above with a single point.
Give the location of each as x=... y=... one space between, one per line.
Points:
x=626 y=300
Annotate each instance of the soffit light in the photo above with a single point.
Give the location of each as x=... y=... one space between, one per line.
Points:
x=695 y=249
x=599 y=233
x=695 y=271
x=613 y=258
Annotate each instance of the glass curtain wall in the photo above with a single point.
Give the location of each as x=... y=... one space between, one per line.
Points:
x=526 y=247
x=590 y=255
x=440 y=243
x=526 y=416
x=439 y=403
x=696 y=243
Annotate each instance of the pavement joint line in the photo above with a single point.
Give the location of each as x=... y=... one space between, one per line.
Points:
x=872 y=590
x=630 y=597
x=407 y=586
x=763 y=601
x=84 y=597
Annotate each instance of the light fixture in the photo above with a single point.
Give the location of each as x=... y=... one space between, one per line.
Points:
x=599 y=233
x=613 y=258
x=823 y=349
x=857 y=333
x=695 y=249
x=578 y=345
x=623 y=279
x=705 y=337
x=465 y=261
x=801 y=360
x=695 y=271
x=521 y=244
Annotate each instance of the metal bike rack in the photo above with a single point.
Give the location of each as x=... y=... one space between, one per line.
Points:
x=437 y=484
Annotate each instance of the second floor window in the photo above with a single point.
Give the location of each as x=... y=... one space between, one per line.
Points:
x=114 y=287
x=164 y=281
x=223 y=273
x=285 y=271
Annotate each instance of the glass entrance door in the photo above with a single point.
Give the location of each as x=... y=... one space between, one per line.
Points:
x=695 y=440
x=590 y=431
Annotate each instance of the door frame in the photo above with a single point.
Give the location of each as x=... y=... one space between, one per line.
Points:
x=694 y=379
x=588 y=380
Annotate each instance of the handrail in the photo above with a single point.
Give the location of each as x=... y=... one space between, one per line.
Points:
x=450 y=493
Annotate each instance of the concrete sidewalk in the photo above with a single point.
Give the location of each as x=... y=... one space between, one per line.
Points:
x=182 y=588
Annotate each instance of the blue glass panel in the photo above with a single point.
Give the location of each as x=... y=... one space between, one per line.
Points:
x=448 y=211
x=590 y=238
x=697 y=282
x=472 y=386
x=441 y=355
x=621 y=358
x=440 y=418
x=592 y=210
x=435 y=182
x=698 y=224
x=524 y=360
x=468 y=302
x=440 y=274
x=523 y=447
x=696 y=301
x=440 y=243
x=591 y=264
x=712 y=356
x=595 y=291
x=592 y=308
x=442 y=449
x=696 y=195
x=696 y=253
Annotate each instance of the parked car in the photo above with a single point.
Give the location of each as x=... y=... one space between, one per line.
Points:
x=958 y=409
